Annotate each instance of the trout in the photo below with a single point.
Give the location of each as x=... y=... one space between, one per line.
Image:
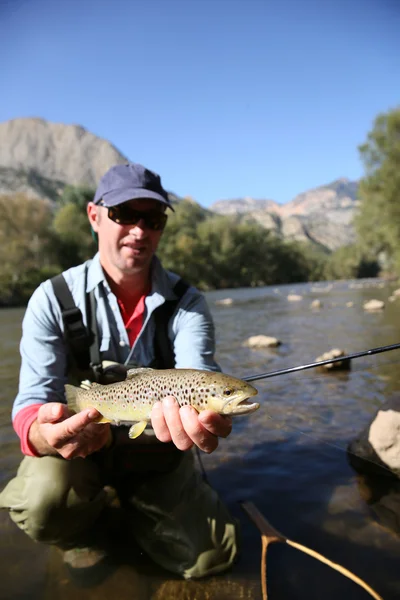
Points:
x=130 y=402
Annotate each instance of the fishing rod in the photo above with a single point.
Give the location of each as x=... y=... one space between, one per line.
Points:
x=322 y=362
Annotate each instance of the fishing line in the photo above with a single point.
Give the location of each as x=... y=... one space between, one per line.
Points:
x=202 y=468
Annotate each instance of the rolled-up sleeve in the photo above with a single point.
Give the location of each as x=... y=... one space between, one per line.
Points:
x=43 y=352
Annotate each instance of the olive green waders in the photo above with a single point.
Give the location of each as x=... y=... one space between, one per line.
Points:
x=174 y=516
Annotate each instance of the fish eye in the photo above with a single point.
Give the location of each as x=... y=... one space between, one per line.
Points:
x=228 y=392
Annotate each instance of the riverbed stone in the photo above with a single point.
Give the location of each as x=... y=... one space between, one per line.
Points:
x=262 y=341
x=374 y=305
x=316 y=304
x=343 y=365
x=294 y=297
x=224 y=302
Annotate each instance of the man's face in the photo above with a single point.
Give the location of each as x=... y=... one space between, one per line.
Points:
x=125 y=248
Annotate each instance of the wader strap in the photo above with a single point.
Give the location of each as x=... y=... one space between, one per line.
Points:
x=76 y=334
x=164 y=357
x=94 y=350
x=83 y=344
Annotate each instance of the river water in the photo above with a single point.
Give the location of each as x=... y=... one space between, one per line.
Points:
x=288 y=458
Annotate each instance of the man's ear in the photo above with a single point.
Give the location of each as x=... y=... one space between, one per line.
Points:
x=93 y=215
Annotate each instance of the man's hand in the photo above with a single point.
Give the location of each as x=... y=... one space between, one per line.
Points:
x=184 y=426
x=55 y=431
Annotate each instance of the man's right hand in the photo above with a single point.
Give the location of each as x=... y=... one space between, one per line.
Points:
x=58 y=431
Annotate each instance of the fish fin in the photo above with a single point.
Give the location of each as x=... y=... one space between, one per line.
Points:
x=104 y=420
x=133 y=372
x=71 y=393
x=137 y=429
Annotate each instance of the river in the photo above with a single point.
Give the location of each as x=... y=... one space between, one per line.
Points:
x=288 y=458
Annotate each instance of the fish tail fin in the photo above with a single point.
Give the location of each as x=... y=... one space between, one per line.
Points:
x=71 y=393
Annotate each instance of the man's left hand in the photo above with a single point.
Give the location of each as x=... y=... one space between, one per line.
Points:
x=185 y=427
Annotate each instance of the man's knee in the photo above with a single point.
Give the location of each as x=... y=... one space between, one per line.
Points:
x=51 y=499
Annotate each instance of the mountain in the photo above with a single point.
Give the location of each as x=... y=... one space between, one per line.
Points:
x=39 y=158
x=323 y=215
x=243 y=205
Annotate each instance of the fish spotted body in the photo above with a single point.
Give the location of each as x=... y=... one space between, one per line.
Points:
x=130 y=402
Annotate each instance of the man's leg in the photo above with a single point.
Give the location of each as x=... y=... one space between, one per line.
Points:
x=55 y=501
x=182 y=524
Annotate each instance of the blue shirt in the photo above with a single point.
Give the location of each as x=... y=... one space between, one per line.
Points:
x=44 y=353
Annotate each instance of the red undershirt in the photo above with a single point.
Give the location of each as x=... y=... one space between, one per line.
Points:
x=133 y=317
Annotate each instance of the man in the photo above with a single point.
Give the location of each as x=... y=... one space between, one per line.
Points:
x=173 y=515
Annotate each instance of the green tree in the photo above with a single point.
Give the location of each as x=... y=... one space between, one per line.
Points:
x=378 y=221
x=302 y=261
x=25 y=246
x=78 y=195
x=72 y=239
x=349 y=262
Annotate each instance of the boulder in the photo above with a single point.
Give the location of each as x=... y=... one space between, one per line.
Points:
x=384 y=437
x=378 y=445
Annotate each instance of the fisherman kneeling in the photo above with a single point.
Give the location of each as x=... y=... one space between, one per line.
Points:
x=122 y=306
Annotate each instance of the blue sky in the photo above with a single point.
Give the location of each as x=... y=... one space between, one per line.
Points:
x=224 y=98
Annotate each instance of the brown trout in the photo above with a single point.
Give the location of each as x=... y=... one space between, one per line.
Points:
x=131 y=401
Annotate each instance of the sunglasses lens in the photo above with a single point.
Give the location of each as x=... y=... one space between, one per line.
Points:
x=125 y=215
x=156 y=221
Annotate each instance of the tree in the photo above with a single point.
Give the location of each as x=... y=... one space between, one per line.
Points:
x=25 y=254
x=73 y=242
x=378 y=221
x=349 y=262
x=79 y=195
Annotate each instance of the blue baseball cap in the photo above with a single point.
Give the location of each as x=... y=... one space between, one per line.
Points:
x=130 y=182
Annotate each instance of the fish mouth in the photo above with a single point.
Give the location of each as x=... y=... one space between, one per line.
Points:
x=241 y=405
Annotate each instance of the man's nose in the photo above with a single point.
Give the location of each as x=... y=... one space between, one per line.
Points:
x=139 y=227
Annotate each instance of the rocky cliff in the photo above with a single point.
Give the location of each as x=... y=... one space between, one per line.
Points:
x=38 y=157
x=323 y=215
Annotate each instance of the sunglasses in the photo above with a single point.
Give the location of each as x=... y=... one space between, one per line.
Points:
x=123 y=214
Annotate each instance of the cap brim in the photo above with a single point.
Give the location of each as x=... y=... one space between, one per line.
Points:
x=119 y=196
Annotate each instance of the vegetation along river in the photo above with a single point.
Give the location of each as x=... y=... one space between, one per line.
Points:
x=288 y=458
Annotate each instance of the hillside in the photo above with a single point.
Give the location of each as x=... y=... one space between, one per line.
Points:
x=323 y=215
x=38 y=157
